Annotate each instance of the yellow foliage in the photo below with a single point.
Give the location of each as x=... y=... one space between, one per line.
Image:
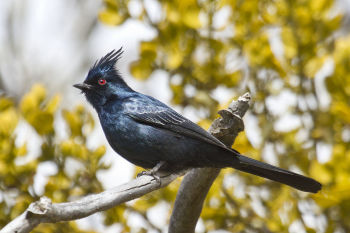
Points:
x=110 y=17
x=174 y=58
x=342 y=110
x=37 y=111
x=9 y=119
x=33 y=99
x=320 y=6
x=140 y=69
x=321 y=173
x=74 y=121
x=289 y=42
x=191 y=18
x=314 y=65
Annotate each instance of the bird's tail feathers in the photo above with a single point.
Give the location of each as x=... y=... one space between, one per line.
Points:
x=280 y=175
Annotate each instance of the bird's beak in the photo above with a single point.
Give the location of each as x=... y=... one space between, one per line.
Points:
x=82 y=86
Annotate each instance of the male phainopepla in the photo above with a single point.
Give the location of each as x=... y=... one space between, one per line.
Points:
x=150 y=134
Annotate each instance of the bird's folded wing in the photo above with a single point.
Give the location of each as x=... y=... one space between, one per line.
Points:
x=166 y=118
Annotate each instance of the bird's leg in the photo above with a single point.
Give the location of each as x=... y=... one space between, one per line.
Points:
x=153 y=171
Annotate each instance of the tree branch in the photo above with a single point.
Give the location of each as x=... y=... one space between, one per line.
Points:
x=197 y=182
x=192 y=192
x=44 y=211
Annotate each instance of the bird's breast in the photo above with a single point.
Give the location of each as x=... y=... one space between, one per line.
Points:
x=131 y=140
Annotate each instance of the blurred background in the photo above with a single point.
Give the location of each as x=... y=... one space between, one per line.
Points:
x=197 y=56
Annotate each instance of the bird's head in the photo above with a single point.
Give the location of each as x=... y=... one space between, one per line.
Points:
x=103 y=81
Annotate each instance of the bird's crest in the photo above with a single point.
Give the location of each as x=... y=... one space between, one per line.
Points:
x=107 y=62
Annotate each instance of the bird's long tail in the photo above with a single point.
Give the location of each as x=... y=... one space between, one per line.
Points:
x=268 y=171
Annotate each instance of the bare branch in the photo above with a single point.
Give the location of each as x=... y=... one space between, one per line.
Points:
x=43 y=211
x=197 y=182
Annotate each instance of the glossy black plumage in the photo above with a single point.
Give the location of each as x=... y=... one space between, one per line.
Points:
x=146 y=132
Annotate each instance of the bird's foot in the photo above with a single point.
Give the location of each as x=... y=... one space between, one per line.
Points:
x=153 y=172
x=150 y=173
x=143 y=173
x=146 y=173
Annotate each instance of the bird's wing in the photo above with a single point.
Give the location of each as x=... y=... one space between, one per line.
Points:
x=159 y=115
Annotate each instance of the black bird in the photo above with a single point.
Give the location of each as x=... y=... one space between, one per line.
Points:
x=150 y=134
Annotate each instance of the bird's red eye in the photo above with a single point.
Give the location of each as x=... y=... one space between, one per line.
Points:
x=102 y=81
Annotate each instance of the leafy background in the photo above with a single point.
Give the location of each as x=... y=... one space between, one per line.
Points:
x=292 y=56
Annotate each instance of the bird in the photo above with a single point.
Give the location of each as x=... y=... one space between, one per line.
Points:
x=150 y=134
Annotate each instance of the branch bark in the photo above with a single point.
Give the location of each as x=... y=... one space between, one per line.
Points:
x=197 y=182
x=192 y=192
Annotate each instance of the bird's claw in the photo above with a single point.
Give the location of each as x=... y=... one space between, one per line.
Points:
x=153 y=172
x=150 y=173
x=142 y=174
